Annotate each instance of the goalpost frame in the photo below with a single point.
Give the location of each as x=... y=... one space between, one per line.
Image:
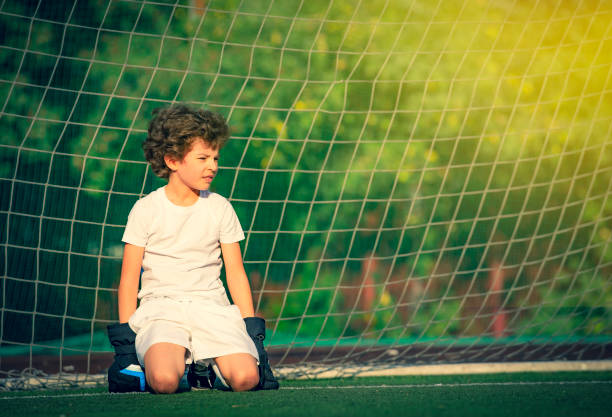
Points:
x=421 y=184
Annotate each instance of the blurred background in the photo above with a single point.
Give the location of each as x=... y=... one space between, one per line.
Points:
x=406 y=172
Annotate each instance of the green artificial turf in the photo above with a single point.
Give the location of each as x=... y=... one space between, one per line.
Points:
x=527 y=394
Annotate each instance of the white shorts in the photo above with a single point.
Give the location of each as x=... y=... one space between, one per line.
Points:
x=206 y=327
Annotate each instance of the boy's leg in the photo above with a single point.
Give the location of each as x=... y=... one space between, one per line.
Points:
x=164 y=367
x=239 y=370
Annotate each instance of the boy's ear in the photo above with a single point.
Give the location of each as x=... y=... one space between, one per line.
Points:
x=170 y=161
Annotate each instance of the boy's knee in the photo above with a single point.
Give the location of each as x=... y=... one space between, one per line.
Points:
x=244 y=379
x=162 y=382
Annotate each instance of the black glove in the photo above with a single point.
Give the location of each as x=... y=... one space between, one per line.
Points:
x=125 y=374
x=256 y=328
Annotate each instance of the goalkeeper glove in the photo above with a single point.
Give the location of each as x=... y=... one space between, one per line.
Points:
x=125 y=374
x=256 y=328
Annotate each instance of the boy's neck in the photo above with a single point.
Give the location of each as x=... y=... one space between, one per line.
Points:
x=179 y=194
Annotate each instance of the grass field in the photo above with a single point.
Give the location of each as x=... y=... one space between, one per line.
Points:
x=526 y=394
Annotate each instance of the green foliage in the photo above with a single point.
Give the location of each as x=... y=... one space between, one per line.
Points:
x=439 y=141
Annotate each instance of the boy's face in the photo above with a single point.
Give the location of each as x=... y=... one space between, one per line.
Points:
x=198 y=167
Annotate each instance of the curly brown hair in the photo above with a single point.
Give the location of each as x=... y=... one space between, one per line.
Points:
x=173 y=130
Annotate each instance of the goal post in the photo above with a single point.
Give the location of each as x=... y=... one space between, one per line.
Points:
x=420 y=182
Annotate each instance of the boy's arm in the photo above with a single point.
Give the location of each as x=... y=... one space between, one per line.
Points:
x=237 y=281
x=125 y=374
x=130 y=276
x=239 y=288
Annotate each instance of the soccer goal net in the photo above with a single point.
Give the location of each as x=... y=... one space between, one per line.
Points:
x=420 y=182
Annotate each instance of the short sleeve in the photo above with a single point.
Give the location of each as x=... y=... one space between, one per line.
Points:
x=230 y=230
x=137 y=227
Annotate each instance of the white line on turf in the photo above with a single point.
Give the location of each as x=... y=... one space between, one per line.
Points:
x=467 y=384
x=339 y=387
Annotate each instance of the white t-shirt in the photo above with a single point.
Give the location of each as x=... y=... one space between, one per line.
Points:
x=182 y=256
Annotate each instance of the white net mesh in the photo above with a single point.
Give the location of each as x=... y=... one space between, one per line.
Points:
x=419 y=182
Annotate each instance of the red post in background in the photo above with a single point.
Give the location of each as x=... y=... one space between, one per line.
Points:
x=496 y=286
x=368 y=293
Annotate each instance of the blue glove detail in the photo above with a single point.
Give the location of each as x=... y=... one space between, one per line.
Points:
x=137 y=372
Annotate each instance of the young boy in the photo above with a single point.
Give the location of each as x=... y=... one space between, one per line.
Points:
x=176 y=235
